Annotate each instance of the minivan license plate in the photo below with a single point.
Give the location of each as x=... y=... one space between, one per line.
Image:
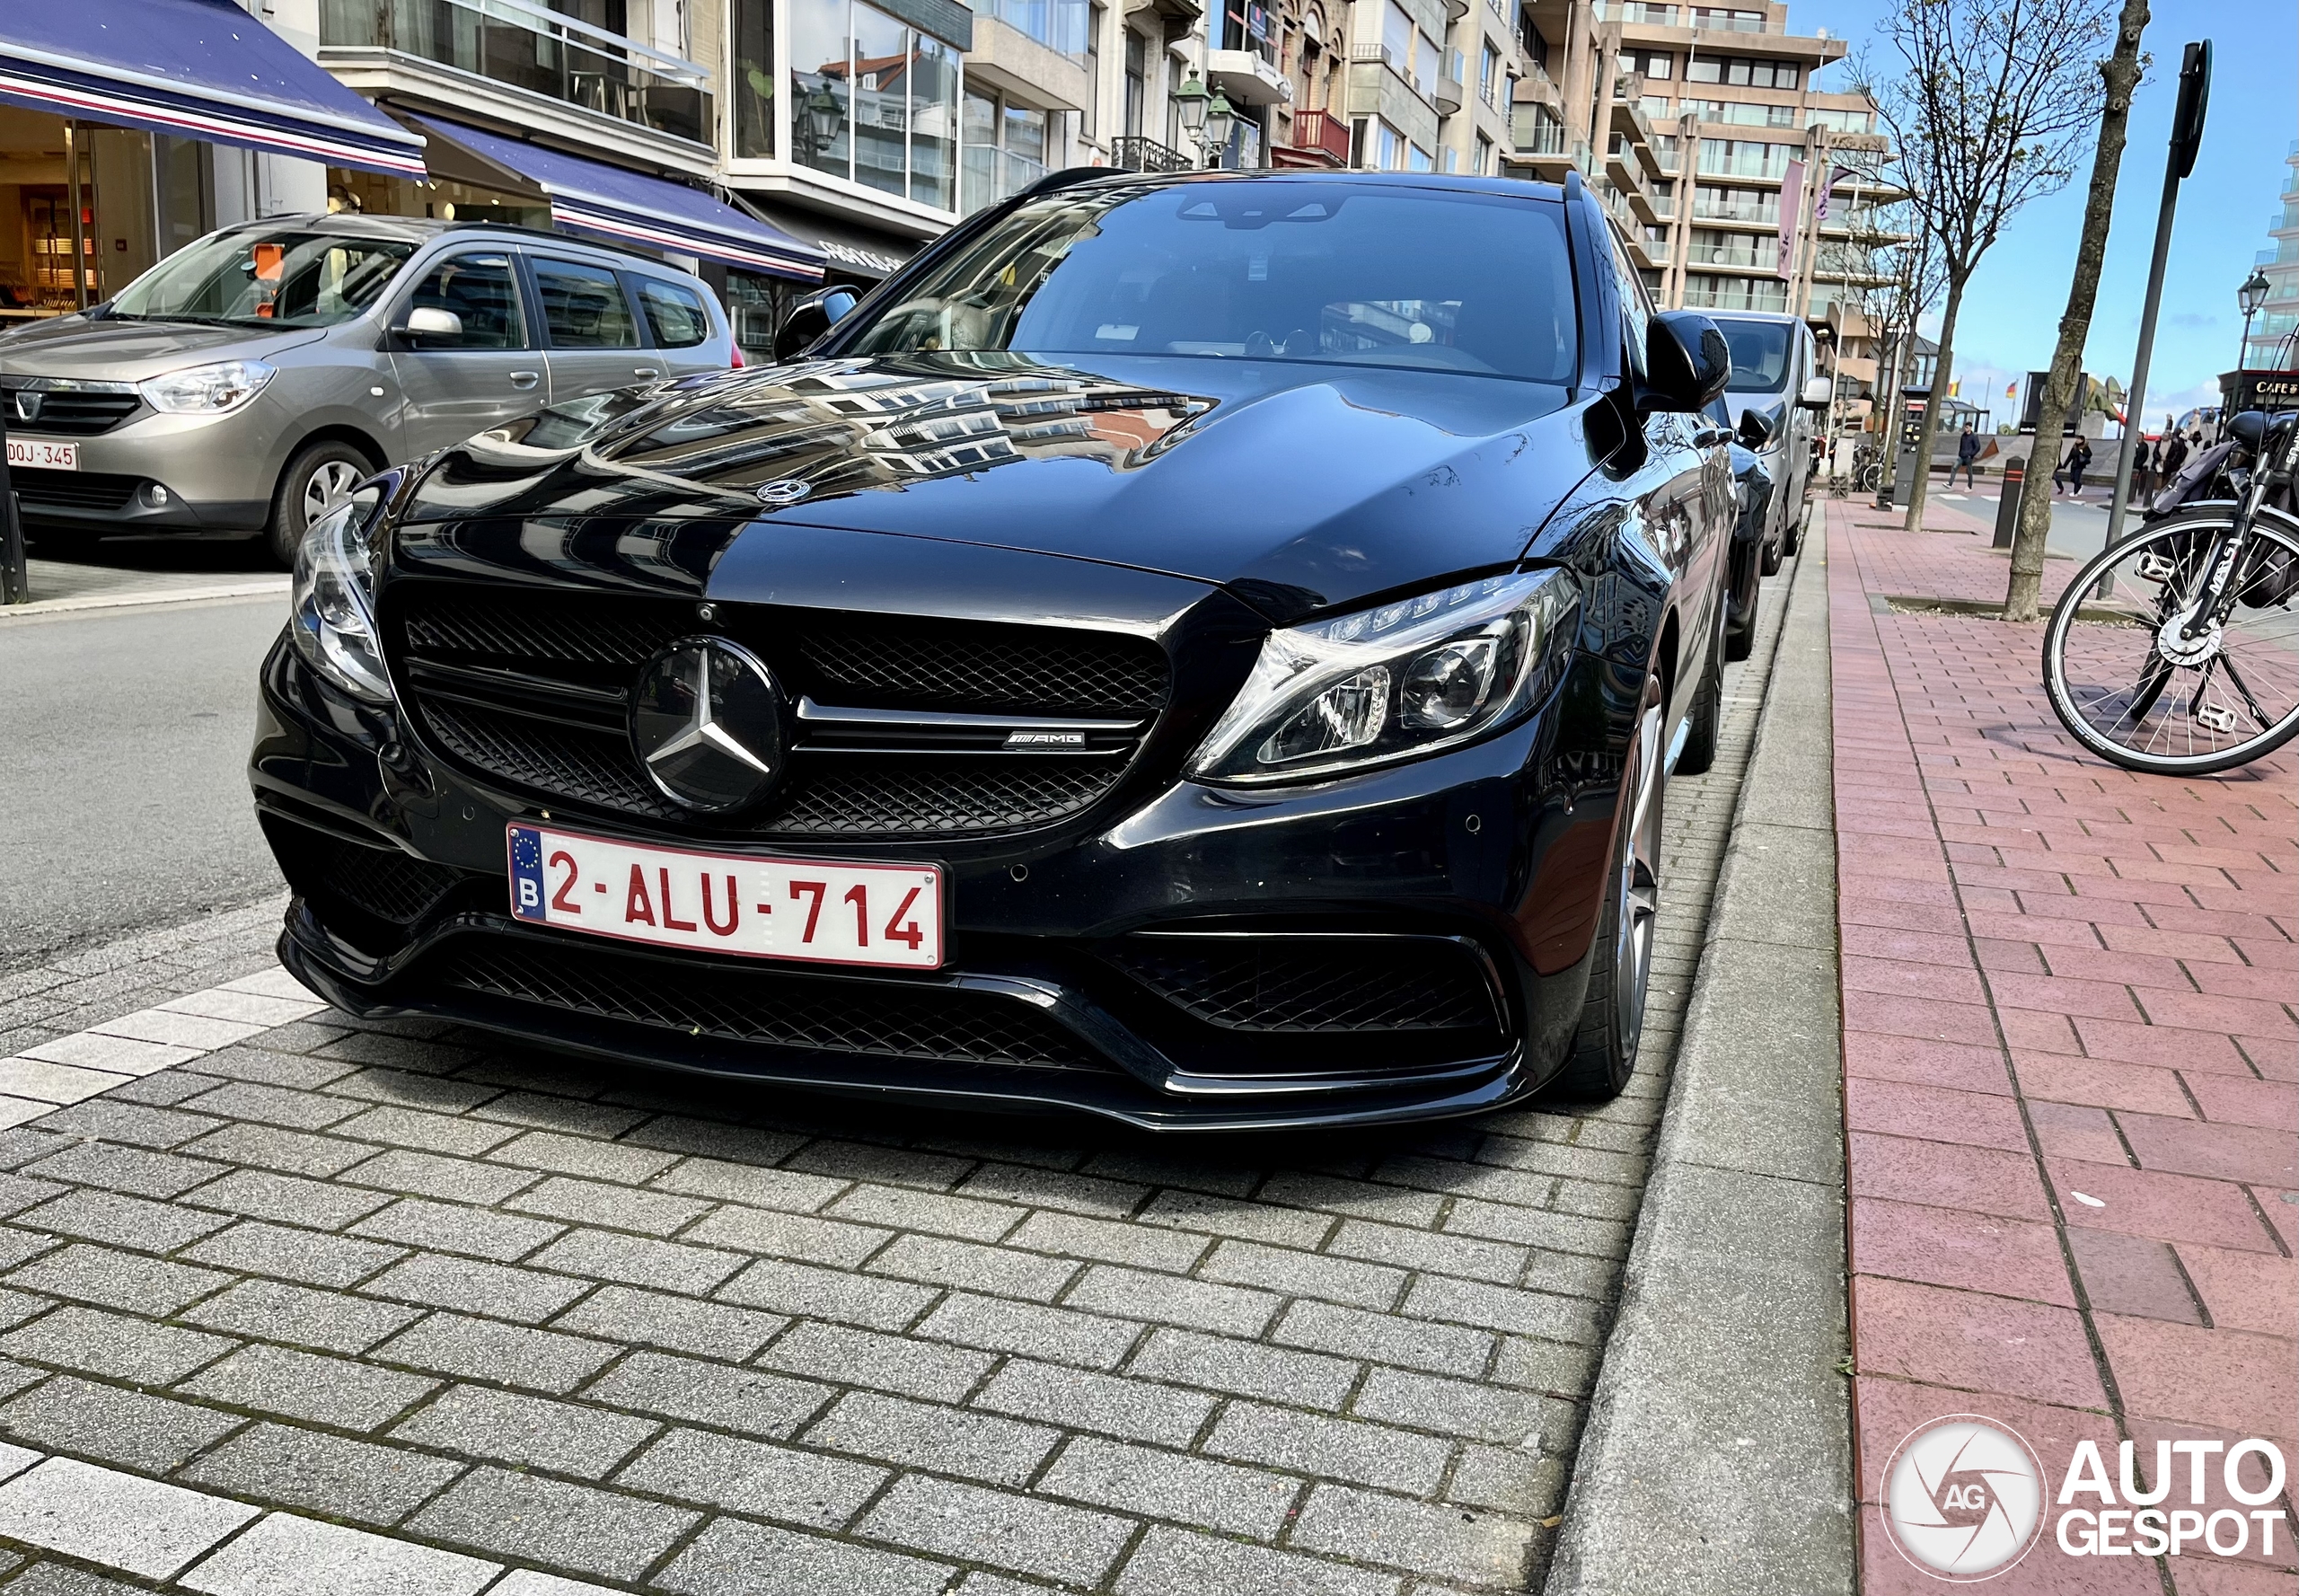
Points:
x=39 y=454
x=802 y=909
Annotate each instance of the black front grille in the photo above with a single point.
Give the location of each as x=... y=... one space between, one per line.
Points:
x=1321 y=984
x=779 y=1007
x=529 y=687
x=369 y=896
x=71 y=412
x=39 y=488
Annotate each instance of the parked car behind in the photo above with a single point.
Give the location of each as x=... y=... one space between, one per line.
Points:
x=1775 y=373
x=249 y=381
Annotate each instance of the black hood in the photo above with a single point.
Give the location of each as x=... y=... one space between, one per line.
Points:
x=1298 y=484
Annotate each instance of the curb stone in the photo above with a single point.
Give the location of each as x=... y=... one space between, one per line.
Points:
x=1718 y=1452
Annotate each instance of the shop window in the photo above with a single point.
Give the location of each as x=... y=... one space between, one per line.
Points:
x=873 y=101
x=754 y=78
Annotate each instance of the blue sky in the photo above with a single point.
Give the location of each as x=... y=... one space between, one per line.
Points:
x=2011 y=309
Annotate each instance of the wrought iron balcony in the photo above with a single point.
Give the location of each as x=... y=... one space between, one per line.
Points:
x=1132 y=153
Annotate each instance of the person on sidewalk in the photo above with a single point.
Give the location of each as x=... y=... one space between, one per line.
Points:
x=2078 y=459
x=2174 y=454
x=1967 y=451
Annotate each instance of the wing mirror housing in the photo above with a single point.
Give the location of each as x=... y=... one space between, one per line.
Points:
x=428 y=324
x=1755 y=431
x=813 y=315
x=1687 y=362
x=1819 y=393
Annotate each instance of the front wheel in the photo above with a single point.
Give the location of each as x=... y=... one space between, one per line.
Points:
x=319 y=476
x=2138 y=684
x=1612 y=1016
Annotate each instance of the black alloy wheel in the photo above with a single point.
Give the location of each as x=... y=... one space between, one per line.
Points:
x=1612 y=1016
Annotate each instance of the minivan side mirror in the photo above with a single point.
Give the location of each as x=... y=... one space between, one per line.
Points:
x=813 y=315
x=1818 y=392
x=1755 y=431
x=1687 y=362
x=428 y=324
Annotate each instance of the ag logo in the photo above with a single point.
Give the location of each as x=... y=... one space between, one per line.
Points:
x=1963 y=1498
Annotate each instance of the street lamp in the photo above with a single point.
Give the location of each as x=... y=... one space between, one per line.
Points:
x=825 y=118
x=2248 y=298
x=1205 y=115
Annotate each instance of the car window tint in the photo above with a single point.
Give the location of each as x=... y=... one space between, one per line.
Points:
x=480 y=290
x=675 y=314
x=584 y=308
x=1635 y=308
x=1760 y=352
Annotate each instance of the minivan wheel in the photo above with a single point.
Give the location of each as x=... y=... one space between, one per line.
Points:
x=319 y=475
x=1612 y=1017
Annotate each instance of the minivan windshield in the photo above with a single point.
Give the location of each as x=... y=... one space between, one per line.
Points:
x=267 y=278
x=1760 y=355
x=1360 y=273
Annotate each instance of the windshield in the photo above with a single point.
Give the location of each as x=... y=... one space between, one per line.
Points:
x=1760 y=355
x=1356 y=273
x=287 y=277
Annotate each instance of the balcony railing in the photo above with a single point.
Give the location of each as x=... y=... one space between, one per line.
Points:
x=526 y=46
x=1741 y=255
x=1132 y=153
x=989 y=174
x=1060 y=25
x=1536 y=135
x=1322 y=131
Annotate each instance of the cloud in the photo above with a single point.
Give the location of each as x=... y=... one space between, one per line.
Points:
x=2193 y=320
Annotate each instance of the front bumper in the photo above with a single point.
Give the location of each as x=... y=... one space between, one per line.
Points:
x=1485 y=864
x=158 y=473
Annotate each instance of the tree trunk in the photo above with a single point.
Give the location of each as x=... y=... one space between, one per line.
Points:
x=1888 y=438
x=2121 y=71
x=1941 y=369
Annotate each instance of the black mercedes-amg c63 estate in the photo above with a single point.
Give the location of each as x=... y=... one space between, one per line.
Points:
x=1200 y=649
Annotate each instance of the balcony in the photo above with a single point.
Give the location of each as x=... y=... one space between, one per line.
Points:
x=1132 y=153
x=1322 y=135
x=1033 y=49
x=1245 y=78
x=989 y=174
x=523 y=47
x=1060 y=25
x=1449 y=94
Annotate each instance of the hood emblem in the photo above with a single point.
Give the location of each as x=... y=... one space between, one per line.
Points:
x=788 y=490
x=707 y=724
x=28 y=401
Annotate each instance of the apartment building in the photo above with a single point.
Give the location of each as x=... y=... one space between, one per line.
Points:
x=2271 y=345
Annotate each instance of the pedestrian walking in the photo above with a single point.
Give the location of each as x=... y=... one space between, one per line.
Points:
x=1967 y=451
x=2174 y=454
x=2078 y=459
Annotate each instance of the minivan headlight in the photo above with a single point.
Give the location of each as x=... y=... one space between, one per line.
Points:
x=1402 y=679
x=333 y=615
x=215 y=389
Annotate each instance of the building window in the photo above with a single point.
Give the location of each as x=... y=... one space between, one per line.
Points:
x=1741 y=157
x=1707 y=291
x=1713 y=246
x=1482 y=160
x=1655 y=65
x=1489 y=77
x=1743 y=72
x=1397 y=36
x=1389 y=148
x=873 y=101
x=1136 y=81
x=1086 y=121
x=1006 y=147
x=1417 y=159
x=1447 y=160
x=753 y=76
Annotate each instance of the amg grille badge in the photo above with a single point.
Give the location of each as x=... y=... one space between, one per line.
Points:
x=1045 y=739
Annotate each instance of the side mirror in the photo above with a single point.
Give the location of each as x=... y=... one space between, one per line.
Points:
x=1818 y=392
x=1755 y=431
x=428 y=324
x=810 y=317
x=1687 y=362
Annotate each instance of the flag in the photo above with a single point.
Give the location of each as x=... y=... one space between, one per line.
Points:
x=1955 y=387
x=2010 y=390
x=1791 y=215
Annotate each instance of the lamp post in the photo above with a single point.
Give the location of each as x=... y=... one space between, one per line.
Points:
x=2248 y=298
x=825 y=117
x=1206 y=117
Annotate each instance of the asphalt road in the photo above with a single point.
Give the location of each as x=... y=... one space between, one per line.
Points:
x=123 y=798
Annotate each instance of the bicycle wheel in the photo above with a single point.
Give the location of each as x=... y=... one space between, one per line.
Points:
x=2130 y=688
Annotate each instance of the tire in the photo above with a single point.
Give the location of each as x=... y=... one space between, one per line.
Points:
x=1603 y=1054
x=1707 y=716
x=1792 y=535
x=1776 y=551
x=317 y=475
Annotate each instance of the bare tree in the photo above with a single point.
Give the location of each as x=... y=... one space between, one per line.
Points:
x=1989 y=102
x=2119 y=75
x=1908 y=260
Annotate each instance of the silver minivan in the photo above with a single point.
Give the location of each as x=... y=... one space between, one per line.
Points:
x=252 y=378
x=1776 y=371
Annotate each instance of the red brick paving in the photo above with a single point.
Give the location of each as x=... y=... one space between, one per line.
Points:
x=2059 y=977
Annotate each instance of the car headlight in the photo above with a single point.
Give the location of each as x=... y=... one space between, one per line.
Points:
x=215 y=389
x=1405 y=679
x=334 y=618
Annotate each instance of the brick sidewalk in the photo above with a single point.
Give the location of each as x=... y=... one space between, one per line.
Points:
x=2070 y=1056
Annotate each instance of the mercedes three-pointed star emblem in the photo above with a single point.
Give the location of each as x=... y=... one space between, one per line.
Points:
x=707 y=724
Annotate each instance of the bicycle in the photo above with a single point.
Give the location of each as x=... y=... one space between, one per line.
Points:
x=1867 y=468
x=2176 y=651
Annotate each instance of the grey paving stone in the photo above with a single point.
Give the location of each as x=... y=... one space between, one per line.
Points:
x=1456 y=1407
x=722 y=1181
x=997 y=1527
x=323 y=1473
x=1002 y=1325
x=526 y=1295
x=20 y=1144
x=1386 y=1338
x=526 y=1582
x=1421 y=1538
x=120 y=1220
x=450 y=1226
x=1168 y=1299
x=528 y=1431
x=744 y=1399
x=270 y=1310
x=408 y=1089
x=17 y=1245
x=1504 y=1308
x=259 y=1247
x=1292 y=1273
x=1546 y=1365
x=847 y=1357
x=481 y=1349
x=131 y=1122
x=775 y=1482
x=902 y=1208
x=1111 y=1405
x=1244 y=1368
x=927 y=1435
x=827 y=1293
x=638 y=1260
x=790 y=1236
x=1509 y=1479
x=1228 y=1216
x=1169 y=1561
x=759 y=1560
x=622 y=1207
x=274 y=1106
x=1058 y=1190
x=1436 y=1252
x=60 y=1579
x=263 y=1193
x=286 y=1555
x=136 y=1170
x=269 y=1147
x=115 y=1279
x=372 y=1046
x=267 y=1066
x=426 y=1132
x=16 y=1306
x=149 y=1433
x=163 y=1091
x=429 y=1175
x=897 y=1166
x=546 y=1112
x=579 y=1155
x=975 y=1266
x=117 y=1520
x=552 y=1522
x=1329 y=1448
x=1162 y=1485
x=1116 y=1242
x=1331 y=1193
x=115 y=1345
x=653 y=1318
x=1227 y=1178
x=300 y=1384
x=1536 y=1227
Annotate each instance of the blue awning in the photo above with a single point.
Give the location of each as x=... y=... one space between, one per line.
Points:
x=630 y=207
x=195 y=69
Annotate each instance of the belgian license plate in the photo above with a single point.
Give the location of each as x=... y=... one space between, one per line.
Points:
x=803 y=908
x=43 y=454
